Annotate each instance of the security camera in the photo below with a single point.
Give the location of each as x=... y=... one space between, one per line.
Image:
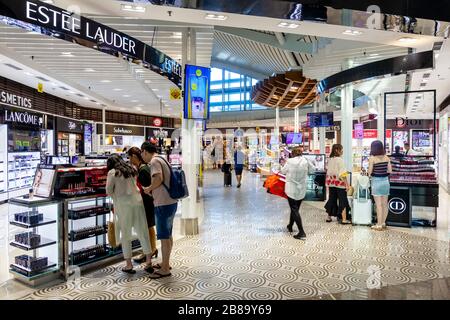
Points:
x=169 y=13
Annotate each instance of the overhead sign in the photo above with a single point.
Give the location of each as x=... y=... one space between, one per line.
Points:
x=196 y=92
x=15 y=100
x=359 y=131
x=157 y=122
x=72 y=27
x=23 y=118
x=175 y=94
x=119 y=130
x=69 y=125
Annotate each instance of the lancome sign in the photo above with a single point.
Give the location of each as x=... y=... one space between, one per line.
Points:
x=15 y=100
x=23 y=118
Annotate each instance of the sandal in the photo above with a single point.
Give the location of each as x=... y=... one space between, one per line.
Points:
x=328 y=219
x=129 y=271
x=346 y=222
x=377 y=227
x=149 y=269
x=157 y=275
x=158 y=266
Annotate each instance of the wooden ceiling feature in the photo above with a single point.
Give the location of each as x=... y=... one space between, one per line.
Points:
x=289 y=90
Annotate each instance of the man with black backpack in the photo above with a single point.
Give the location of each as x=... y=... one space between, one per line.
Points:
x=167 y=187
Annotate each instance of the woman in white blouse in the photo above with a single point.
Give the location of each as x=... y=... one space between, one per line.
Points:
x=129 y=212
x=296 y=170
x=336 y=181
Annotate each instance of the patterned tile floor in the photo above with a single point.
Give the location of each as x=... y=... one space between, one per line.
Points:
x=244 y=252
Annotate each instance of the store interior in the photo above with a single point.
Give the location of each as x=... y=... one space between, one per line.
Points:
x=268 y=86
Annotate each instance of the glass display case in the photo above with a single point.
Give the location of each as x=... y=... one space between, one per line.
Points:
x=34 y=236
x=86 y=220
x=21 y=169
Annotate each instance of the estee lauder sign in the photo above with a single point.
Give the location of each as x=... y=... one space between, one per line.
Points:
x=72 y=27
x=15 y=100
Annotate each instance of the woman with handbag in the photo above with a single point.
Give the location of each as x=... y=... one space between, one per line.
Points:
x=226 y=169
x=336 y=181
x=129 y=212
x=144 y=180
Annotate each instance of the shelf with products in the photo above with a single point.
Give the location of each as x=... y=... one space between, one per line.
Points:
x=34 y=226
x=413 y=170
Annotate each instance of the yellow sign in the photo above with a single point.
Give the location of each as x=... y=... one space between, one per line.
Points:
x=40 y=87
x=175 y=94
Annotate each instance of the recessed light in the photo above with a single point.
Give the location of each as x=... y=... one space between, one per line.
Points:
x=29 y=74
x=138 y=108
x=155 y=89
x=139 y=71
x=105 y=81
x=86 y=98
x=128 y=7
x=407 y=39
x=212 y=16
x=117 y=89
x=89 y=70
x=98 y=103
x=177 y=35
x=288 y=25
x=126 y=96
x=148 y=81
x=72 y=92
x=425 y=80
x=134 y=101
x=350 y=32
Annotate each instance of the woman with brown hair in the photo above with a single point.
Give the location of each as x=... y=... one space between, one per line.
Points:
x=379 y=169
x=144 y=180
x=336 y=181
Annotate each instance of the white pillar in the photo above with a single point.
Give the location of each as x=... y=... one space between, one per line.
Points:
x=322 y=130
x=380 y=117
x=316 y=130
x=103 y=128
x=191 y=148
x=347 y=125
x=297 y=120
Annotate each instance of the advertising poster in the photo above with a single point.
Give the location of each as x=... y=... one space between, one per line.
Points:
x=196 y=92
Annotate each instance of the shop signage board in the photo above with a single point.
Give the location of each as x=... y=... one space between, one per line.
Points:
x=22 y=118
x=359 y=131
x=399 y=207
x=56 y=22
x=120 y=130
x=157 y=122
x=69 y=125
x=15 y=100
x=196 y=92
x=368 y=117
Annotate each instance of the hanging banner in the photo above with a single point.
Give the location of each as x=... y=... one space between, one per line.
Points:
x=196 y=92
x=58 y=23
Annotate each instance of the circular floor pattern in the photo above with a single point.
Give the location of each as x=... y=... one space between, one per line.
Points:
x=265 y=264
x=95 y=284
x=280 y=276
x=192 y=261
x=417 y=258
x=418 y=273
x=262 y=294
x=254 y=255
x=173 y=290
x=136 y=293
x=321 y=258
x=332 y=285
x=364 y=264
x=189 y=250
x=226 y=257
x=391 y=277
x=236 y=268
x=298 y=290
x=139 y=279
x=96 y=295
x=281 y=252
x=212 y=285
x=393 y=261
x=58 y=290
x=247 y=280
x=204 y=272
x=295 y=261
x=103 y=272
x=340 y=268
x=357 y=280
x=223 y=296
x=311 y=272
x=443 y=270
x=330 y=246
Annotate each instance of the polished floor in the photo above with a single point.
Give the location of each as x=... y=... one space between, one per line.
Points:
x=245 y=252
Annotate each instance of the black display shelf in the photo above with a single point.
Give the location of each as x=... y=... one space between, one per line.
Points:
x=90 y=235
x=44 y=243
x=29 y=226
x=90 y=215
x=28 y=272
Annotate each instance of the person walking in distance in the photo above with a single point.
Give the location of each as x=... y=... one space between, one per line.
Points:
x=379 y=170
x=165 y=206
x=129 y=212
x=296 y=170
x=144 y=180
x=239 y=159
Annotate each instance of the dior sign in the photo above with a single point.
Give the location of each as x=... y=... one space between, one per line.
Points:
x=25 y=118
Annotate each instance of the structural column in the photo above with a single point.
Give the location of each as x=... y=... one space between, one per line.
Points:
x=315 y=144
x=297 y=120
x=380 y=117
x=347 y=124
x=322 y=130
x=191 y=147
x=104 y=127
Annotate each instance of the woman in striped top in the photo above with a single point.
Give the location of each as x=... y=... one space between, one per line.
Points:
x=379 y=169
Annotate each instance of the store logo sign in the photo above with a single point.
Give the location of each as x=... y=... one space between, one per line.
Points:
x=157 y=122
x=405 y=122
x=122 y=130
x=15 y=100
x=171 y=67
x=397 y=206
x=23 y=118
x=72 y=125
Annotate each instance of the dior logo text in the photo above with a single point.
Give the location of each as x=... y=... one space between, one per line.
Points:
x=397 y=205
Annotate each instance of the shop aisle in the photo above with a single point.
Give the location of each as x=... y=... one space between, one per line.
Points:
x=245 y=252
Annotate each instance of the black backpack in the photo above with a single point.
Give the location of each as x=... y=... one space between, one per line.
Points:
x=178 y=188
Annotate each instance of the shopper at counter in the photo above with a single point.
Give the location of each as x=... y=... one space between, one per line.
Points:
x=144 y=180
x=129 y=212
x=397 y=153
x=379 y=169
x=165 y=206
x=410 y=152
x=336 y=181
x=296 y=170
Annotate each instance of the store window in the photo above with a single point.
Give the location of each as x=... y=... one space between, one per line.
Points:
x=230 y=91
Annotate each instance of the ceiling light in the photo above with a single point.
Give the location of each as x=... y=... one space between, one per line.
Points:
x=148 y=81
x=126 y=96
x=138 y=108
x=117 y=89
x=29 y=74
x=177 y=35
x=288 y=25
x=212 y=16
x=105 y=81
x=71 y=92
x=374 y=54
x=128 y=7
x=48 y=1
x=97 y=103
x=425 y=80
x=87 y=98
x=134 y=101
x=66 y=53
x=89 y=70
x=407 y=39
x=155 y=89
x=350 y=32
x=436 y=55
x=139 y=71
